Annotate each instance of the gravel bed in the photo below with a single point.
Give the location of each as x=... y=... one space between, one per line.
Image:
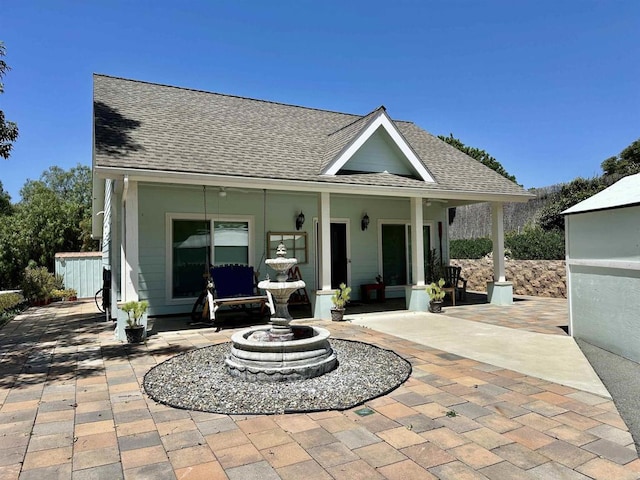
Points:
x=198 y=380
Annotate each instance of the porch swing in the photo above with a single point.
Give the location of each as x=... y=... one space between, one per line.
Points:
x=230 y=285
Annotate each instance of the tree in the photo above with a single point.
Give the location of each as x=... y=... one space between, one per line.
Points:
x=53 y=216
x=5 y=202
x=579 y=189
x=8 y=130
x=479 y=155
x=59 y=204
x=13 y=258
x=571 y=193
x=626 y=163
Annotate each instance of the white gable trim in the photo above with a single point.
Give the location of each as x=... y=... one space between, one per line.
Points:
x=382 y=120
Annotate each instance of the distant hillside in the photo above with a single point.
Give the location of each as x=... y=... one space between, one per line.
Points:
x=474 y=221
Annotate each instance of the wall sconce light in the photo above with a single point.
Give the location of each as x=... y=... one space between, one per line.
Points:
x=299 y=220
x=365 y=222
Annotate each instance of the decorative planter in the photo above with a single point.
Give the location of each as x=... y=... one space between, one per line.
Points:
x=135 y=334
x=337 y=314
x=435 y=307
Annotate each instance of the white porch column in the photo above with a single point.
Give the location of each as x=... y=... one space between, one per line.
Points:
x=415 y=293
x=129 y=265
x=130 y=259
x=497 y=234
x=500 y=292
x=322 y=297
x=324 y=226
x=417 y=242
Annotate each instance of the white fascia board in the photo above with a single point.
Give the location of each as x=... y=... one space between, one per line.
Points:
x=382 y=120
x=185 y=178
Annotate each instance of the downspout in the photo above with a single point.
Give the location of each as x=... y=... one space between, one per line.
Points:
x=125 y=189
x=106 y=224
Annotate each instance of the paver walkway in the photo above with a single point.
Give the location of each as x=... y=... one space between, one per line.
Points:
x=533 y=314
x=72 y=407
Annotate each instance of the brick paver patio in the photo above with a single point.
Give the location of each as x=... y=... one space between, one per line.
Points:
x=72 y=407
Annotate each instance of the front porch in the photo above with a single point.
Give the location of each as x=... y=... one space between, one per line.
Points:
x=532 y=314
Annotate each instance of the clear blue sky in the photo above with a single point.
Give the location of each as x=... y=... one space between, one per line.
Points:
x=549 y=88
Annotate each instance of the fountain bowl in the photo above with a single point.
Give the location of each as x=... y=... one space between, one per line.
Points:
x=307 y=355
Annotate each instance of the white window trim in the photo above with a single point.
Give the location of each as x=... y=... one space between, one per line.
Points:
x=169 y=218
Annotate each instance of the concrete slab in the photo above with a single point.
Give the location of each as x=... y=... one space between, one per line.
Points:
x=550 y=357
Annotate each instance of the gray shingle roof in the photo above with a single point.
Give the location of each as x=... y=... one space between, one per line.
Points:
x=141 y=125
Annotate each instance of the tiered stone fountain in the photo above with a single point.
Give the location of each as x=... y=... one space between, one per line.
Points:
x=281 y=352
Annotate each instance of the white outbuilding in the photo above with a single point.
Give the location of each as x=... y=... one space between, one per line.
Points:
x=603 y=268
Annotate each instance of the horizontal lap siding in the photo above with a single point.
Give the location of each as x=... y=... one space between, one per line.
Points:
x=282 y=210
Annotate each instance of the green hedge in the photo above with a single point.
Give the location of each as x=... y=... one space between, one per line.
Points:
x=536 y=244
x=8 y=301
x=10 y=305
x=470 y=248
x=532 y=244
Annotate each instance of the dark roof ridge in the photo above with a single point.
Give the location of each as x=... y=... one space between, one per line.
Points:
x=225 y=94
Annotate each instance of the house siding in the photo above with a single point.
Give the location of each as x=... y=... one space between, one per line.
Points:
x=378 y=154
x=156 y=201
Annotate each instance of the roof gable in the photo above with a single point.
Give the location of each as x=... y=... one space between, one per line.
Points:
x=376 y=130
x=379 y=154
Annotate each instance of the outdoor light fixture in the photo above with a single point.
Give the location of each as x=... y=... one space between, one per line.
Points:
x=300 y=220
x=365 y=222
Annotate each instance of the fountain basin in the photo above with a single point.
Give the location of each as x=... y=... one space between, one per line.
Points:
x=307 y=355
x=281 y=290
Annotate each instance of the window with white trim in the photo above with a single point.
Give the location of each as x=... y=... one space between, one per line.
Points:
x=193 y=249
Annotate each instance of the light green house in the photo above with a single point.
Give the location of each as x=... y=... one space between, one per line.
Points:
x=172 y=164
x=602 y=236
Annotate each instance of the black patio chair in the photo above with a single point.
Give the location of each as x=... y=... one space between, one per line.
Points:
x=454 y=284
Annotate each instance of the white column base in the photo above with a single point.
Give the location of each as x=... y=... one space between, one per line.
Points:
x=416 y=298
x=321 y=304
x=500 y=293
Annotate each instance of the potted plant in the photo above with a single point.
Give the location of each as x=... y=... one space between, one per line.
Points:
x=135 y=330
x=339 y=300
x=70 y=295
x=65 y=294
x=436 y=296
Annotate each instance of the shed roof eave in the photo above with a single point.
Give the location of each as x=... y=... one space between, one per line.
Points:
x=570 y=212
x=186 y=178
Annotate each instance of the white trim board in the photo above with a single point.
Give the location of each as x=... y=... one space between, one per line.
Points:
x=382 y=120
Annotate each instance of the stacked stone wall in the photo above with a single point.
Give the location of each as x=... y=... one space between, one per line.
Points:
x=542 y=278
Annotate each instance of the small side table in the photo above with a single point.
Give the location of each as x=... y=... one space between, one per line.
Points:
x=366 y=290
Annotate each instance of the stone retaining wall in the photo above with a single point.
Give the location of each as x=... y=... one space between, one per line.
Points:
x=543 y=278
